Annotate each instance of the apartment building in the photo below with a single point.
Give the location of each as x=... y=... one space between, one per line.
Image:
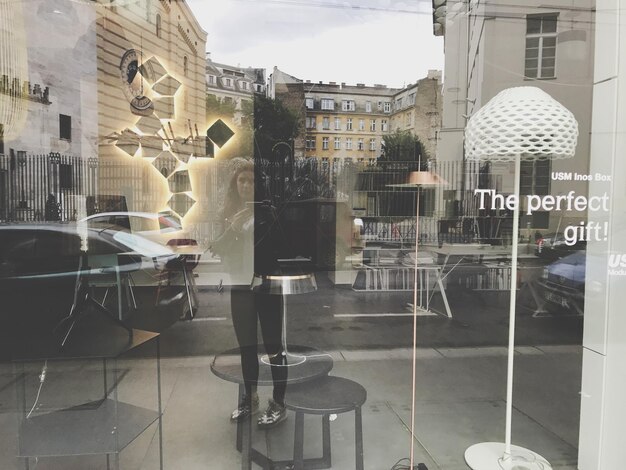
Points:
x=234 y=84
x=343 y=121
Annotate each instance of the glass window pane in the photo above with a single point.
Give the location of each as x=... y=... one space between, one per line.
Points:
x=547 y=72
x=531 y=73
x=531 y=63
x=549 y=42
x=549 y=25
x=532 y=42
x=533 y=25
x=548 y=52
x=532 y=53
x=547 y=62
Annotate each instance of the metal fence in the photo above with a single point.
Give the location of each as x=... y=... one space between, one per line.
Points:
x=45 y=187
x=63 y=187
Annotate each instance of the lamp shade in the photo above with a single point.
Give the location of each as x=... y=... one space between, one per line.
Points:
x=284 y=284
x=420 y=178
x=524 y=121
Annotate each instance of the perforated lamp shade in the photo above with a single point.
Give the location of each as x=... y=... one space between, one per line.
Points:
x=524 y=121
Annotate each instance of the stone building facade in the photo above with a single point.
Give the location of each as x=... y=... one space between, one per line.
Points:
x=341 y=121
x=152 y=91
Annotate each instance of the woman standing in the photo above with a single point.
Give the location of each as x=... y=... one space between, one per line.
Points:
x=238 y=249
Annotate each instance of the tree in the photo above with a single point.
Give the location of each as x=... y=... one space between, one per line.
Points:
x=219 y=109
x=403 y=146
x=273 y=124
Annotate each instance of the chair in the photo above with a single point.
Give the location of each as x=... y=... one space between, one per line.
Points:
x=185 y=263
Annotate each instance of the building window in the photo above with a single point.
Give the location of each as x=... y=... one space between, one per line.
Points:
x=387 y=107
x=361 y=124
x=409 y=118
x=65 y=127
x=328 y=104
x=383 y=125
x=368 y=106
x=310 y=143
x=259 y=88
x=398 y=104
x=211 y=79
x=411 y=99
x=324 y=143
x=373 y=125
x=337 y=124
x=372 y=145
x=326 y=123
x=337 y=143
x=380 y=106
x=348 y=105
x=348 y=143
x=185 y=66
x=244 y=85
x=158 y=26
x=535 y=177
x=360 y=145
x=308 y=103
x=1 y=139
x=349 y=124
x=540 y=46
x=228 y=82
x=310 y=122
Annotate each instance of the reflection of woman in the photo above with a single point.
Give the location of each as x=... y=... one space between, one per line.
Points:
x=235 y=248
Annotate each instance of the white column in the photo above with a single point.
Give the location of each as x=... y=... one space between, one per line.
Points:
x=603 y=391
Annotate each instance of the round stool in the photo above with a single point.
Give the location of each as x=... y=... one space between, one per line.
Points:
x=325 y=396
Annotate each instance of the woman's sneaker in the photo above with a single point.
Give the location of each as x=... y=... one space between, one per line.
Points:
x=274 y=414
x=247 y=407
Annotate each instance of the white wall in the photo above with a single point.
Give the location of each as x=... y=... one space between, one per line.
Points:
x=603 y=392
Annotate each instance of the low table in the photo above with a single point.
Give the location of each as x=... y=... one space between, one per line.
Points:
x=227 y=366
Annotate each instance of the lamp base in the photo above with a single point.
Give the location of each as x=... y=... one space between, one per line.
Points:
x=491 y=456
x=290 y=360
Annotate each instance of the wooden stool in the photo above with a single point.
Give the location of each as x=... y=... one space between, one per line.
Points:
x=325 y=396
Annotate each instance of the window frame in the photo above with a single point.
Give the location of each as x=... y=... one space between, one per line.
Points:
x=327 y=104
x=67 y=136
x=541 y=36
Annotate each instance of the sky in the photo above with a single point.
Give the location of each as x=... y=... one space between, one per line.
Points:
x=353 y=41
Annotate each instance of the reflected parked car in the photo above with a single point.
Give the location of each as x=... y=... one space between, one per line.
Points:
x=54 y=250
x=553 y=246
x=160 y=227
x=562 y=284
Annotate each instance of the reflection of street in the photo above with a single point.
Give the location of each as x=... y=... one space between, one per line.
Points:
x=323 y=319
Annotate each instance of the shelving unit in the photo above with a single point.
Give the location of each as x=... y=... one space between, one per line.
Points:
x=388 y=231
x=84 y=425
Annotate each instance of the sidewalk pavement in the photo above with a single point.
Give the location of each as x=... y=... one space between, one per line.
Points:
x=459 y=402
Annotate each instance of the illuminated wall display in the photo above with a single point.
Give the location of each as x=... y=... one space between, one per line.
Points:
x=150 y=91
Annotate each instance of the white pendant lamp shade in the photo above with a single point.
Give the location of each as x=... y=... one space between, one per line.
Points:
x=523 y=121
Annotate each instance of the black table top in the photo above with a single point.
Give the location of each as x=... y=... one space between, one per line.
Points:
x=325 y=395
x=227 y=366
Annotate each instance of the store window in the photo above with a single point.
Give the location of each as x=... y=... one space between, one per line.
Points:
x=181 y=237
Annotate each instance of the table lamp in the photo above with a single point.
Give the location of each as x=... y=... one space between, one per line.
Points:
x=287 y=284
x=522 y=123
x=416 y=180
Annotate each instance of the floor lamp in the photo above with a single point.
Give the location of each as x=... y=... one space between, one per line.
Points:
x=416 y=180
x=522 y=123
